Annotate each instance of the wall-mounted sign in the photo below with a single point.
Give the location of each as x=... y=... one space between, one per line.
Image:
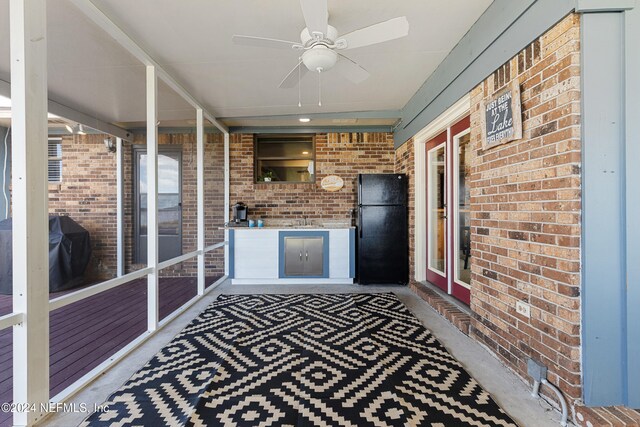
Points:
x=332 y=183
x=502 y=117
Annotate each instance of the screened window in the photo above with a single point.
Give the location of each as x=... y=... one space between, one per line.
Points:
x=55 y=160
x=285 y=158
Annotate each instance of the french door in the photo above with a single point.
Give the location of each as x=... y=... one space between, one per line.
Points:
x=448 y=210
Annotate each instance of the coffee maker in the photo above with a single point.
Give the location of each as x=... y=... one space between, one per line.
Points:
x=240 y=214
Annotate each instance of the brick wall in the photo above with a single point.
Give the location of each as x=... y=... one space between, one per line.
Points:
x=404 y=163
x=87 y=194
x=213 y=195
x=525 y=198
x=344 y=155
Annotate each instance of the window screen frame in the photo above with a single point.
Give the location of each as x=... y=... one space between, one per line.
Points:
x=283 y=138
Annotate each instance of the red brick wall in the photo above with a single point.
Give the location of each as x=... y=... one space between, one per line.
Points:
x=526 y=201
x=87 y=194
x=214 y=200
x=404 y=163
x=344 y=155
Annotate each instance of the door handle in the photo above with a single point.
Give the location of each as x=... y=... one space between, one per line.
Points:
x=307 y=255
x=360 y=221
x=300 y=255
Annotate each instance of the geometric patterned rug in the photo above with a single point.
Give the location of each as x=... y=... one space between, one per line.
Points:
x=302 y=360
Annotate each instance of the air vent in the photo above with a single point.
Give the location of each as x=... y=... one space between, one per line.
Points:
x=55 y=160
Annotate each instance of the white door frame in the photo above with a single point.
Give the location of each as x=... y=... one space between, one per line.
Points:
x=456 y=112
x=429 y=208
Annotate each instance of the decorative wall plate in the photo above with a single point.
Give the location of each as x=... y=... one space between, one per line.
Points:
x=332 y=183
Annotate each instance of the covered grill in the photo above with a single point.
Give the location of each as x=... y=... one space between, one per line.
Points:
x=69 y=254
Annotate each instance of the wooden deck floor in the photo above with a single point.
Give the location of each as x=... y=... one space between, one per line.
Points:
x=86 y=333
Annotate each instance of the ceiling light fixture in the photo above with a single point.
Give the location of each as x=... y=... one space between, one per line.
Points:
x=69 y=128
x=305 y=152
x=304 y=119
x=110 y=145
x=81 y=130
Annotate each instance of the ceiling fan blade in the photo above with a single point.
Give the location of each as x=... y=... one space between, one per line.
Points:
x=316 y=15
x=351 y=70
x=376 y=33
x=293 y=77
x=265 y=42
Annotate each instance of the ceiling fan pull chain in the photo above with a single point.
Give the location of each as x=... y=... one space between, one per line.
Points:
x=299 y=80
x=319 y=87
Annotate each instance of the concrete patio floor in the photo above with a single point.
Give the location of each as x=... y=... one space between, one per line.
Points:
x=511 y=393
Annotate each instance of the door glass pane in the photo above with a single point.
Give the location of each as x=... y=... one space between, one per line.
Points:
x=168 y=194
x=437 y=204
x=462 y=226
x=169 y=206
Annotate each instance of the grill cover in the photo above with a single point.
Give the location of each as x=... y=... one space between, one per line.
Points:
x=69 y=254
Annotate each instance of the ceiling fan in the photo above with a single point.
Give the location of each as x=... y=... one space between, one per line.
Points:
x=320 y=44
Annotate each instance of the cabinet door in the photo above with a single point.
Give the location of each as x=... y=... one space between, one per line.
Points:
x=294 y=256
x=313 y=256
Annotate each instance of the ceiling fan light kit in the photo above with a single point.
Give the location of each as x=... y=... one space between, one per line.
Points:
x=319 y=59
x=319 y=43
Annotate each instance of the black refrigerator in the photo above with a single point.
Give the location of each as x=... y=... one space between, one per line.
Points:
x=382 y=249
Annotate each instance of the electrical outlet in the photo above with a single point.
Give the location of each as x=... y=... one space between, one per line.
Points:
x=523 y=309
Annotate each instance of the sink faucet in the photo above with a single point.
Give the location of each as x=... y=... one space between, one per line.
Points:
x=303 y=221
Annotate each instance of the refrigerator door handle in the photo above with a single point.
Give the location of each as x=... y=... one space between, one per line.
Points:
x=360 y=221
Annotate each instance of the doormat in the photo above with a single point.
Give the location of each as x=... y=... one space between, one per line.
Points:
x=302 y=360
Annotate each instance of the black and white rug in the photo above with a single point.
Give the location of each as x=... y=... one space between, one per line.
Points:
x=302 y=360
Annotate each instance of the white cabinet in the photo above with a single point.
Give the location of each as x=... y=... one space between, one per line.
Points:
x=280 y=256
x=255 y=253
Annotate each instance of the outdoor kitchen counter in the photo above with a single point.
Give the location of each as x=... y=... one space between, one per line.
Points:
x=291 y=227
x=292 y=254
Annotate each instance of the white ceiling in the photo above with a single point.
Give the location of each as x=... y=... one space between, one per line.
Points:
x=191 y=39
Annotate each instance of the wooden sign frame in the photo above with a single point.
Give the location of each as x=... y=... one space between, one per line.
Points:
x=332 y=183
x=516 y=114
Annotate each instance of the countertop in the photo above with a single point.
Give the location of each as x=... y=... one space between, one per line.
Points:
x=294 y=227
